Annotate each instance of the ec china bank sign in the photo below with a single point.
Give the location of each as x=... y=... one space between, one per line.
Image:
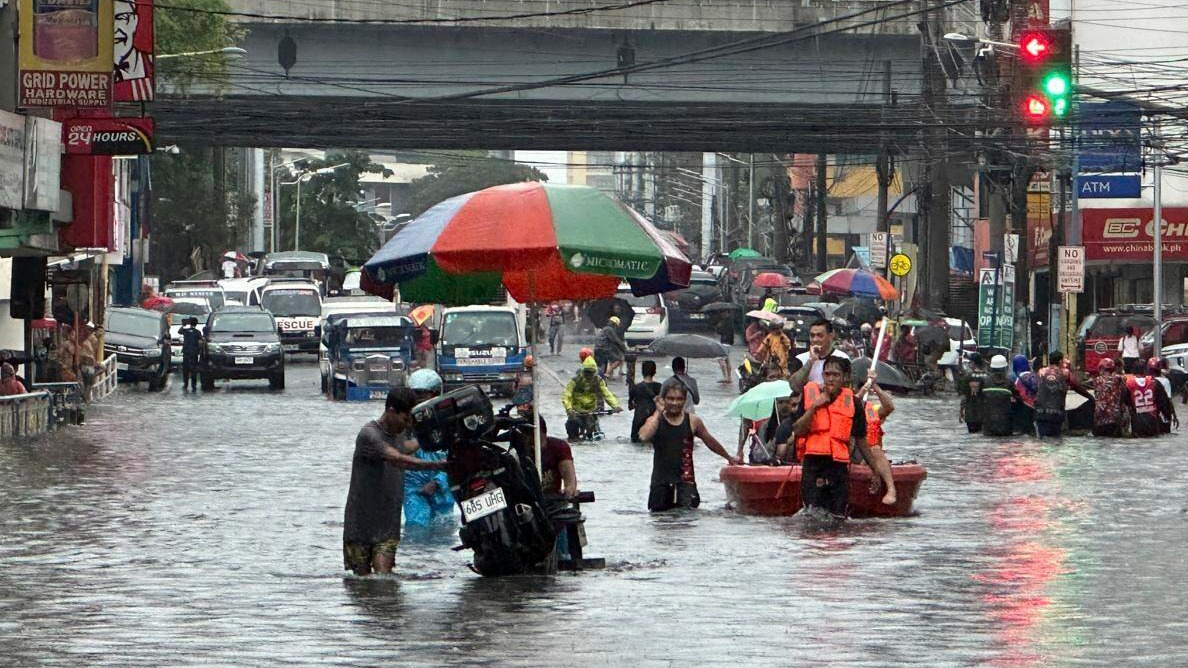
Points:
x=1129 y=234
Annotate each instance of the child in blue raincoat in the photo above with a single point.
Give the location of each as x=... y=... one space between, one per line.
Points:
x=427 y=498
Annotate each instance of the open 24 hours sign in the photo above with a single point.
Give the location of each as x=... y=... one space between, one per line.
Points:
x=108 y=136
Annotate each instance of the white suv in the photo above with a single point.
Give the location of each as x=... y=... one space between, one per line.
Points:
x=651 y=317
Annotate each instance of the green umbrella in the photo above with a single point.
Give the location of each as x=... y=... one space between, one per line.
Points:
x=744 y=252
x=758 y=401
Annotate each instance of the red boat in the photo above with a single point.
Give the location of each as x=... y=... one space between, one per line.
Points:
x=775 y=490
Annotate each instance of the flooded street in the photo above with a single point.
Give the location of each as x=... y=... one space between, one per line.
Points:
x=179 y=528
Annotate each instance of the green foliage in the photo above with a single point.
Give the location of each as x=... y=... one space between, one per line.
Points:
x=194 y=219
x=469 y=172
x=330 y=222
x=178 y=31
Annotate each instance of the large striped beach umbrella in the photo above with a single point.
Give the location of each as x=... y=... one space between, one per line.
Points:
x=538 y=240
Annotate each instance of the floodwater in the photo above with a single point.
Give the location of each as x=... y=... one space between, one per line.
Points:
x=179 y=528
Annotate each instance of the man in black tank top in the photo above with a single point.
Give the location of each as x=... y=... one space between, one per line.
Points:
x=670 y=430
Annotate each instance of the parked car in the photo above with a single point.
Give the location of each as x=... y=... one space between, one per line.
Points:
x=241 y=342
x=211 y=291
x=1173 y=339
x=651 y=317
x=797 y=320
x=367 y=354
x=1100 y=332
x=139 y=339
x=243 y=291
x=732 y=279
x=297 y=306
x=177 y=315
x=684 y=306
x=481 y=345
x=962 y=340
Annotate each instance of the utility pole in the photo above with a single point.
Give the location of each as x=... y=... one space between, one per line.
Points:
x=751 y=202
x=1157 y=233
x=822 y=214
x=937 y=205
x=884 y=169
x=8 y=55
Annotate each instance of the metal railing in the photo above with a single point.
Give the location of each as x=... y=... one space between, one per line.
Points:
x=66 y=403
x=24 y=415
x=106 y=380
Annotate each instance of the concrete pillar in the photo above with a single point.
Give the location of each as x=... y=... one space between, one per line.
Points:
x=255 y=186
x=709 y=177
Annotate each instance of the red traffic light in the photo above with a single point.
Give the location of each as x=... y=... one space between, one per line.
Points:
x=1036 y=107
x=1035 y=46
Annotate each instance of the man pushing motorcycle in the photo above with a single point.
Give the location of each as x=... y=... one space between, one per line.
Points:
x=580 y=400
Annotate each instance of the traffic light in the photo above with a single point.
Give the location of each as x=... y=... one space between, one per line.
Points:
x=1044 y=75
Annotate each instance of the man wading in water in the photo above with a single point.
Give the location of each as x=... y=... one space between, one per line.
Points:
x=371 y=528
x=670 y=430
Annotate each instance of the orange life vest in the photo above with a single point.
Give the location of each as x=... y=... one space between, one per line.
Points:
x=874 y=426
x=829 y=434
x=1142 y=393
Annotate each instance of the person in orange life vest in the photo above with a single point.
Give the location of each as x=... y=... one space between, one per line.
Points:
x=1144 y=396
x=876 y=412
x=833 y=420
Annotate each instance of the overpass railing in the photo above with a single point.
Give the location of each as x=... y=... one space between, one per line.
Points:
x=25 y=415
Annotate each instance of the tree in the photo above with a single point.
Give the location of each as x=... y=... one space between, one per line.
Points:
x=468 y=172
x=194 y=219
x=180 y=31
x=330 y=221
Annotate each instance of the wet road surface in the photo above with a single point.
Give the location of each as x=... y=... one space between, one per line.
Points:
x=179 y=528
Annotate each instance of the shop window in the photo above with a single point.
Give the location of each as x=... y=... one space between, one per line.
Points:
x=1144 y=291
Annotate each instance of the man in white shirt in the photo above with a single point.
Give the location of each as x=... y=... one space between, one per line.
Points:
x=806 y=367
x=230 y=268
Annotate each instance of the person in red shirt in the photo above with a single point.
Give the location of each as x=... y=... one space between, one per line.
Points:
x=9 y=383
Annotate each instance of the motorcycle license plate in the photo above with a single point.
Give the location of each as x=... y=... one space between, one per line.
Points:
x=243 y=360
x=484 y=504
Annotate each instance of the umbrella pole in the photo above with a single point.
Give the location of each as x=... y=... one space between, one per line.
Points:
x=874 y=361
x=535 y=393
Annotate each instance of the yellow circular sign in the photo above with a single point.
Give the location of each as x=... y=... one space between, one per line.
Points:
x=900 y=264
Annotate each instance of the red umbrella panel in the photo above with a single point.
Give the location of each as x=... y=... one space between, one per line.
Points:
x=770 y=279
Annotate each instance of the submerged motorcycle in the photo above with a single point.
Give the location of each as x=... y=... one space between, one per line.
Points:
x=506 y=520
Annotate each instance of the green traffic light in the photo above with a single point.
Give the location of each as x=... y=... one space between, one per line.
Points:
x=1056 y=84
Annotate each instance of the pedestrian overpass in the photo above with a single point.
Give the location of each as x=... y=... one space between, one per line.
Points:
x=652 y=75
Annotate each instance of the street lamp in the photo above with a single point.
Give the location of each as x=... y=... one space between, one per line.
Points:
x=229 y=51
x=299 y=179
x=962 y=38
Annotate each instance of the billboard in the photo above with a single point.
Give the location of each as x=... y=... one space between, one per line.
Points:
x=108 y=136
x=1109 y=137
x=132 y=39
x=12 y=160
x=1126 y=235
x=65 y=53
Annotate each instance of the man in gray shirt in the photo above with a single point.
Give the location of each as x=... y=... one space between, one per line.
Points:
x=371 y=526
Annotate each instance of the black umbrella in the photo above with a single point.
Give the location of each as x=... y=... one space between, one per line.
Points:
x=600 y=311
x=688 y=345
x=890 y=378
x=931 y=337
x=719 y=306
